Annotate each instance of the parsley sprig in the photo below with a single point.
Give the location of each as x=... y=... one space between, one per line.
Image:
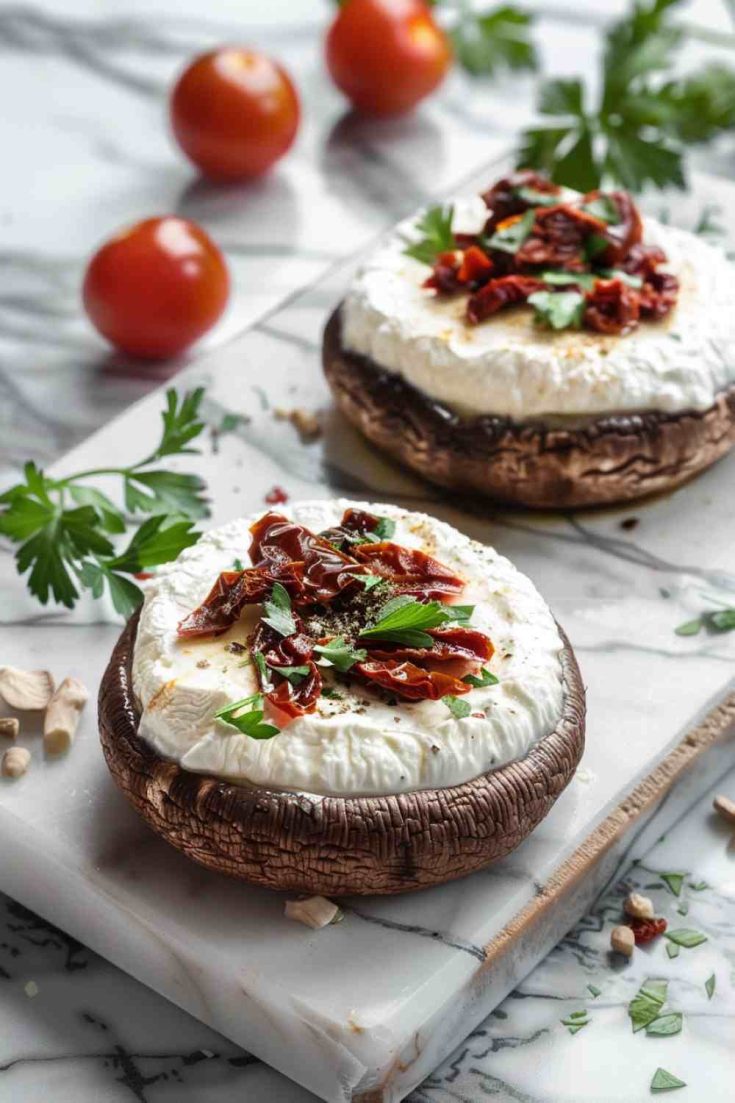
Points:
x=435 y=228
x=404 y=620
x=636 y=132
x=250 y=723
x=487 y=42
x=63 y=526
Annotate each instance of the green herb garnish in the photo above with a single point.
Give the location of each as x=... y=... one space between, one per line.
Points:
x=665 y=1025
x=673 y=882
x=404 y=620
x=698 y=886
x=602 y=208
x=262 y=670
x=647 y=1004
x=370 y=581
x=294 y=674
x=559 y=278
x=558 y=309
x=65 y=546
x=594 y=991
x=385 y=528
x=457 y=706
x=686 y=937
x=341 y=654
x=672 y=949
x=499 y=39
x=237 y=565
x=538 y=198
x=709 y=986
x=277 y=609
x=690 y=627
x=575 y=1021
x=435 y=226
x=249 y=723
x=635 y=132
x=664 y=1081
x=331 y=694
x=624 y=277
x=509 y=239
x=484 y=678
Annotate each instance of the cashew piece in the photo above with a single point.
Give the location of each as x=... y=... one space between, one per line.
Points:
x=724 y=807
x=622 y=941
x=62 y=716
x=26 y=690
x=639 y=907
x=10 y=727
x=314 y=911
x=15 y=762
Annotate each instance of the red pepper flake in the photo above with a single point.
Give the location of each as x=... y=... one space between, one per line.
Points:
x=143 y=576
x=645 y=930
x=277 y=496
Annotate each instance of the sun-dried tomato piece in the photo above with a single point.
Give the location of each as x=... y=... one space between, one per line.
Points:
x=612 y=307
x=327 y=572
x=276 y=496
x=410 y=681
x=409 y=570
x=658 y=295
x=232 y=591
x=443 y=276
x=475 y=268
x=621 y=235
x=503 y=198
x=456 y=651
x=296 y=650
x=497 y=294
x=355 y=522
x=645 y=930
x=558 y=238
x=642 y=260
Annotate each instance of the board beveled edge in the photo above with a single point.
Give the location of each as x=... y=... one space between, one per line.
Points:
x=713 y=728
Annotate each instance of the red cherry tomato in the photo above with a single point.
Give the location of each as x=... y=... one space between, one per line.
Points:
x=156 y=287
x=234 y=112
x=386 y=55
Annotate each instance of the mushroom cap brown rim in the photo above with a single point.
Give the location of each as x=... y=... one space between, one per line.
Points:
x=337 y=845
x=561 y=464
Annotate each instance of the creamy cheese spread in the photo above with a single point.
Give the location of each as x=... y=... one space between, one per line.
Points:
x=510 y=367
x=356 y=742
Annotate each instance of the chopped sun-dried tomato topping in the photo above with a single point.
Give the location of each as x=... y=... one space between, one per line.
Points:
x=534 y=235
x=645 y=930
x=325 y=579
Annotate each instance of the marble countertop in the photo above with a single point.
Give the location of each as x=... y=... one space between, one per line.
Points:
x=72 y=1024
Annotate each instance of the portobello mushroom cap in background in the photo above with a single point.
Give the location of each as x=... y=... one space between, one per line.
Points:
x=564 y=464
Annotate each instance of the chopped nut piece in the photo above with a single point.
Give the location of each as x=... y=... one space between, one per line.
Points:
x=622 y=941
x=9 y=727
x=639 y=907
x=306 y=423
x=314 y=911
x=15 y=762
x=62 y=716
x=26 y=690
x=724 y=807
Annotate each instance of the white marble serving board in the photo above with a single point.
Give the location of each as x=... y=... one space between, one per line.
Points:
x=369 y=1007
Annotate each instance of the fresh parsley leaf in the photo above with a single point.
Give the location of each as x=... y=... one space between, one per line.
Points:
x=508 y=239
x=698 y=886
x=603 y=209
x=709 y=986
x=485 y=43
x=237 y=565
x=63 y=547
x=295 y=674
x=665 y=1025
x=689 y=627
x=277 y=609
x=647 y=1004
x=405 y=620
x=558 y=309
x=460 y=614
x=370 y=581
x=594 y=246
x=341 y=654
x=625 y=277
x=435 y=226
x=484 y=678
x=537 y=198
x=265 y=682
x=457 y=706
x=673 y=882
x=723 y=620
x=686 y=937
x=664 y=1081
x=385 y=528
x=331 y=694
x=585 y=280
x=249 y=723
